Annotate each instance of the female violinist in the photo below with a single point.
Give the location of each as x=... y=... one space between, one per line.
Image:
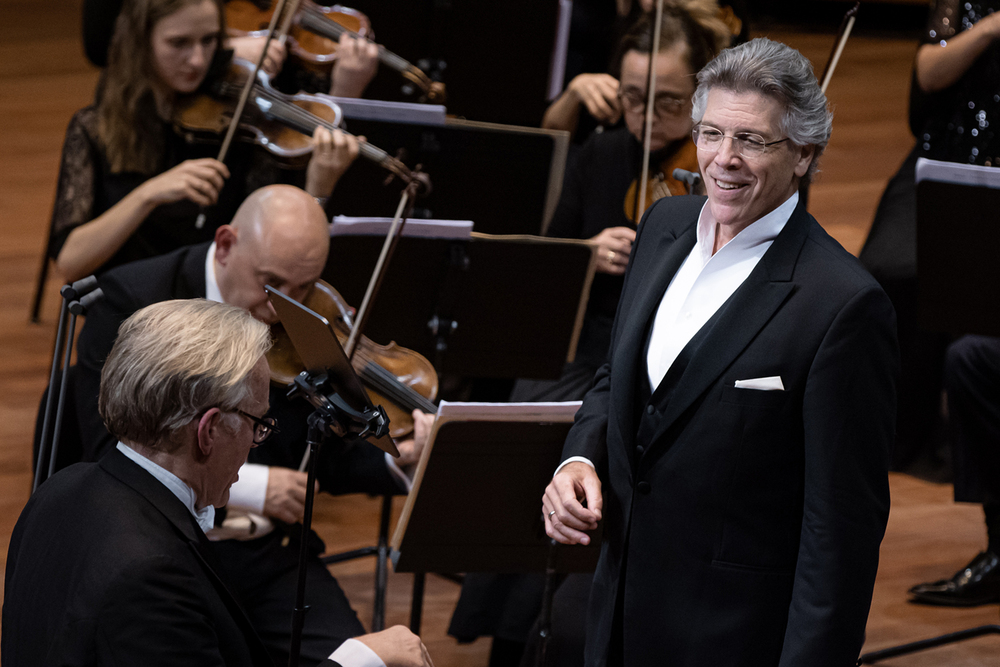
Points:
x=594 y=203
x=129 y=186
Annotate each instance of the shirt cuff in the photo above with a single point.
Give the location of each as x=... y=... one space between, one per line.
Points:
x=353 y=653
x=250 y=492
x=569 y=460
x=397 y=472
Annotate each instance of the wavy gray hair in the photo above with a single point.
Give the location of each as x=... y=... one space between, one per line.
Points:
x=174 y=360
x=777 y=71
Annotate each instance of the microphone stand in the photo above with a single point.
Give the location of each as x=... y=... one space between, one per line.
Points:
x=77 y=298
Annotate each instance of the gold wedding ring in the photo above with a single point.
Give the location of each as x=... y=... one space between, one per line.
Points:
x=611 y=255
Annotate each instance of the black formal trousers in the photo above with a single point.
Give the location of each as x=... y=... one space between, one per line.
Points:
x=972 y=378
x=107 y=567
x=742 y=527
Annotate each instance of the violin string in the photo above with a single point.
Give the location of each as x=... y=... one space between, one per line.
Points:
x=392 y=387
x=316 y=21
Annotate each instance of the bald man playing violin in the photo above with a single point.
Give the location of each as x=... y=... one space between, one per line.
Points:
x=278 y=237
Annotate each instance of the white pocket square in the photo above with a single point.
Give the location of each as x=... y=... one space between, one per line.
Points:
x=772 y=383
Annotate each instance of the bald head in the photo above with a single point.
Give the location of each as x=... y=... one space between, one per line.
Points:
x=278 y=237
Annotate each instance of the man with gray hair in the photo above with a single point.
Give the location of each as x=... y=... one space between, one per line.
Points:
x=736 y=442
x=109 y=562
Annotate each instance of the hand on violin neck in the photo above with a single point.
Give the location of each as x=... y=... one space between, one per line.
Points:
x=332 y=154
x=248 y=48
x=355 y=67
x=412 y=448
x=613 y=248
x=599 y=94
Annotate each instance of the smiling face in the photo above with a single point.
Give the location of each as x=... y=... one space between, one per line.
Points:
x=742 y=190
x=183 y=44
x=673 y=80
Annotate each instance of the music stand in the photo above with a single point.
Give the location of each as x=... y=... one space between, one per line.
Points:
x=342 y=407
x=506 y=178
x=955 y=203
x=494 y=306
x=497 y=458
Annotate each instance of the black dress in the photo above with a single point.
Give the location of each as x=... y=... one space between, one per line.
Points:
x=87 y=188
x=958 y=124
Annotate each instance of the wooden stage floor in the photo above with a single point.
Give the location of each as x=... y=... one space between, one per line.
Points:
x=43 y=79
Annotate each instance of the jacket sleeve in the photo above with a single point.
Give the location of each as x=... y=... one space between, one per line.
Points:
x=849 y=409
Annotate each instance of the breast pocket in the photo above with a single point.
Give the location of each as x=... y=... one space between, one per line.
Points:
x=754 y=397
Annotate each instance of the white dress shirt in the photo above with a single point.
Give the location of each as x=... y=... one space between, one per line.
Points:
x=703 y=283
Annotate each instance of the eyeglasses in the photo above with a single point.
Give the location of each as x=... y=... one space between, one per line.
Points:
x=747 y=144
x=263 y=426
x=663 y=105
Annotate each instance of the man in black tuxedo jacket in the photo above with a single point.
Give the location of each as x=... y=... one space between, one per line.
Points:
x=280 y=237
x=109 y=563
x=741 y=427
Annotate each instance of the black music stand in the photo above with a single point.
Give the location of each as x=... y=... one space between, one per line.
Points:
x=486 y=460
x=949 y=214
x=506 y=178
x=494 y=306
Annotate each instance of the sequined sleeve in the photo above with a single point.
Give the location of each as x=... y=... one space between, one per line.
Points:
x=77 y=176
x=946 y=19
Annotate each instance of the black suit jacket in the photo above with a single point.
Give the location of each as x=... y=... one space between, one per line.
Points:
x=742 y=527
x=107 y=567
x=343 y=467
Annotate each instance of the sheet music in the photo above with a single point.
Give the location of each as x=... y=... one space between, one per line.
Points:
x=557 y=69
x=415 y=227
x=392 y=112
x=957 y=173
x=553 y=412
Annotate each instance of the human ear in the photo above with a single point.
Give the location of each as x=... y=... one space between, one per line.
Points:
x=208 y=431
x=226 y=237
x=805 y=158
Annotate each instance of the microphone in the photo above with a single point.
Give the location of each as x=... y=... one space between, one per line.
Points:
x=690 y=178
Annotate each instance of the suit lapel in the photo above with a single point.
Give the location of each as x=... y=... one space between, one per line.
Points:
x=143 y=483
x=671 y=251
x=740 y=319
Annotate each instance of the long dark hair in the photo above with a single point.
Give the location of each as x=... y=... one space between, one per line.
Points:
x=128 y=124
x=696 y=23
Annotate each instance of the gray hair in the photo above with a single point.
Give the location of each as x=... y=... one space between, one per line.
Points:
x=777 y=71
x=173 y=361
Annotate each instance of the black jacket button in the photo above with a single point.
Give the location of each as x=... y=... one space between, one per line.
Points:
x=640 y=449
x=643 y=488
x=650 y=409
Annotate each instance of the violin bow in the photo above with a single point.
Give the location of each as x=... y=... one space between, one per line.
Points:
x=244 y=95
x=846 y=25
x=650 y=101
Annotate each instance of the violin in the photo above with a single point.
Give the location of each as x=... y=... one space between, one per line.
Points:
x=399 y=379
x=316 y=31
x=283 y=124
x=662 y=183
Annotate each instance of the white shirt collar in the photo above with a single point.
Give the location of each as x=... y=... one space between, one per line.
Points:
x=205 y=517
x=212 y=292
x=763 y=230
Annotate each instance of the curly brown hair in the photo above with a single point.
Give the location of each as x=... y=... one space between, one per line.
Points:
x=128 y=124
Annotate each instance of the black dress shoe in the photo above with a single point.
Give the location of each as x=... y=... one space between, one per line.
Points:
x=975 y=584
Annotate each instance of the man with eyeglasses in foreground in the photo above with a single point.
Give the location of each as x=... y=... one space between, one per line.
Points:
x=279 y=236
x=741 y=427
x=109 y=563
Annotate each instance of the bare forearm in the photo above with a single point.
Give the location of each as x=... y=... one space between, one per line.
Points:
x=939 y=66
x=93 y=243
x=564 y=113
